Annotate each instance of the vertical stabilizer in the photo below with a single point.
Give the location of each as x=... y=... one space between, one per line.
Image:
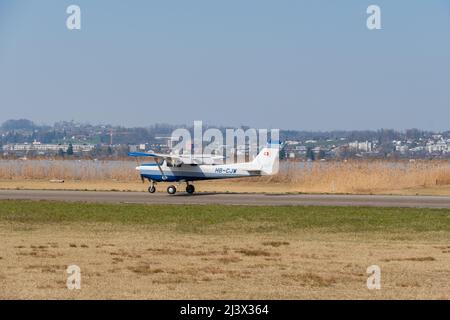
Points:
x=268 y=159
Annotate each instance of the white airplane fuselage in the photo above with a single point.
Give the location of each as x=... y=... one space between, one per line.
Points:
x=194 y=172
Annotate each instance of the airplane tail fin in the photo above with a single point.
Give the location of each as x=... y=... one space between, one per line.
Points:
x=268 y=158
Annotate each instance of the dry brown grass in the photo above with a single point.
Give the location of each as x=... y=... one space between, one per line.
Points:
x=362 y=176
x=354 y=177
x=275 y=243
x=367 y=177
x=84 y=170
x=254 y=252
x=411 y=259
x=312 y=266
x=311 y=279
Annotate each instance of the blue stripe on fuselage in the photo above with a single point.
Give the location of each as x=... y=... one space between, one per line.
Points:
x=173 y=178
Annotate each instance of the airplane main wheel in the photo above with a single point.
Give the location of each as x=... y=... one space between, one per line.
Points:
x=171 y=190
x=151 y=189
x=190 y=189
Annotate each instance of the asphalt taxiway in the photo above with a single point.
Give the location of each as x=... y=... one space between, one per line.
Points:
x=231 y=198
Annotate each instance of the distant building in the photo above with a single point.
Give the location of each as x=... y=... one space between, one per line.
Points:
x=361 y=146
x=137 y=148
x=45 y=148
x=417 y=149
x=438 y=147
x=402 y=149
x=301 y=149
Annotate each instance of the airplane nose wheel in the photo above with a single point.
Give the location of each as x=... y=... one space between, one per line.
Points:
x=171 y=190
x=190 y=189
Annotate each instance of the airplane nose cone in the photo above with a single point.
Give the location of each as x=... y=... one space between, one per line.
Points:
x=138 y=168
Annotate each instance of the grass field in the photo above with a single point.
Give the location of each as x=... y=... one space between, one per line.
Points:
x=168 y=251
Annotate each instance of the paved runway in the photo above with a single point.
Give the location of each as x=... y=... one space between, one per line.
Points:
x=231 y=199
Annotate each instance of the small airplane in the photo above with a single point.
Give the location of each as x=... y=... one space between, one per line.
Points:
x=176 y=168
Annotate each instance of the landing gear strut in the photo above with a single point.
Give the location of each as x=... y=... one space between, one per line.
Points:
x=152 y=188
x=190 y=188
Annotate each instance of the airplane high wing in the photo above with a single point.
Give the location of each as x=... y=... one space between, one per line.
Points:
x=179 y=159
x=157 y=156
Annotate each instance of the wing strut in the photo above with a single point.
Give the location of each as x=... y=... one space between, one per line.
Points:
x=163 y=176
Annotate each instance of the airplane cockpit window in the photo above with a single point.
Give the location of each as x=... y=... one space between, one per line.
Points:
x=173 y=163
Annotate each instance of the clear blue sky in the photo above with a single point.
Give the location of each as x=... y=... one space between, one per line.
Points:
x=296 y=64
